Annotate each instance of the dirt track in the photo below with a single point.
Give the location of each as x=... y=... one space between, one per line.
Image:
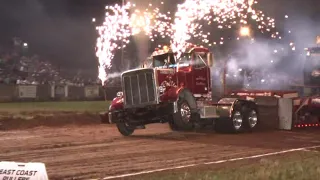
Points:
x=95 y=151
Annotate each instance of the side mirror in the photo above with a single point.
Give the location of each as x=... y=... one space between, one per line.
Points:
x=210 y=59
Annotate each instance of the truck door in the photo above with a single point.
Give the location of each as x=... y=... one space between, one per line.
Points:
x=184 y=71
x=200 y=73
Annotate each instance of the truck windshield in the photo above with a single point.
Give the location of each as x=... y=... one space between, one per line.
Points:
x=185 y=58
x=163 y=60
x=200 y=59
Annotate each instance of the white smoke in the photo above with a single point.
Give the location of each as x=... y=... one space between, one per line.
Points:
x=114 y=75
x=278 y=64
x=254 y=64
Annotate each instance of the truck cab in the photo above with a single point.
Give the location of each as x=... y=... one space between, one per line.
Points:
x=191 y=70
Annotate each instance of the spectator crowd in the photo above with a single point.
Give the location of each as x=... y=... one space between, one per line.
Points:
x=17 y=67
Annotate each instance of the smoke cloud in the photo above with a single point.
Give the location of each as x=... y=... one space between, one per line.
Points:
x=277 y=65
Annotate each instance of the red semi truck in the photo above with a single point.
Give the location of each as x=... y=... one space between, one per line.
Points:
x=177 y=92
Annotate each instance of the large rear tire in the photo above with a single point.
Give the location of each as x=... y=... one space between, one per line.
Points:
x=234 y=124
x=251 y=119
x=125 y=129
x=244 y=118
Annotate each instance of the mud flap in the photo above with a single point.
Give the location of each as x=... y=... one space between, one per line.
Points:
x=285 y=113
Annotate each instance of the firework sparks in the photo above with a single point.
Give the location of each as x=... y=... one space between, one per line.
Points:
x=192 y=14
x=189 y=22
x=118 y=26
x=152 y=23
x=110 y=33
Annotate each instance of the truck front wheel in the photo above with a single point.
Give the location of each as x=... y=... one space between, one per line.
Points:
x=125 y=129
x=172 y=125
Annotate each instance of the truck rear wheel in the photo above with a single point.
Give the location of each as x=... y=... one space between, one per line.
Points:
x=251 y=119
x=183 y=119
x=235 y=124
x=243 y=119
x=125 y=129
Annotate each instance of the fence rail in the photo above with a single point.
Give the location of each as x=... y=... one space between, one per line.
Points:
x=16 y=93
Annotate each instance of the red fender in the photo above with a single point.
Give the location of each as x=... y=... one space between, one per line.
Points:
x=171 y=94
x=116 y=104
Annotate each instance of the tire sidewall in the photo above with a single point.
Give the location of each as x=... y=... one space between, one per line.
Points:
x=246 y=114
x=242 y=127
x=172 y=124
x=177 y=118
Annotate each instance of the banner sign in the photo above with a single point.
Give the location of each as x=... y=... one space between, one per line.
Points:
x=27 y=91
x=22 y=171
x=91 y=91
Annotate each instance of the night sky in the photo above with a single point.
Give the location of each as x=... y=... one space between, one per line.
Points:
x=62 y=31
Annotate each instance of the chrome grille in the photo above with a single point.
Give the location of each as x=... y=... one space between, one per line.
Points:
x=139 y=88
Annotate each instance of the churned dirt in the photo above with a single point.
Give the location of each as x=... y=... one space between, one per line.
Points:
x=77 y=146
x=27 y=120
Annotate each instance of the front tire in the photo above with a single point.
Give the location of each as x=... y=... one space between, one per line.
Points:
x=172 y=125
x=125 y=129
x=183 y=119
